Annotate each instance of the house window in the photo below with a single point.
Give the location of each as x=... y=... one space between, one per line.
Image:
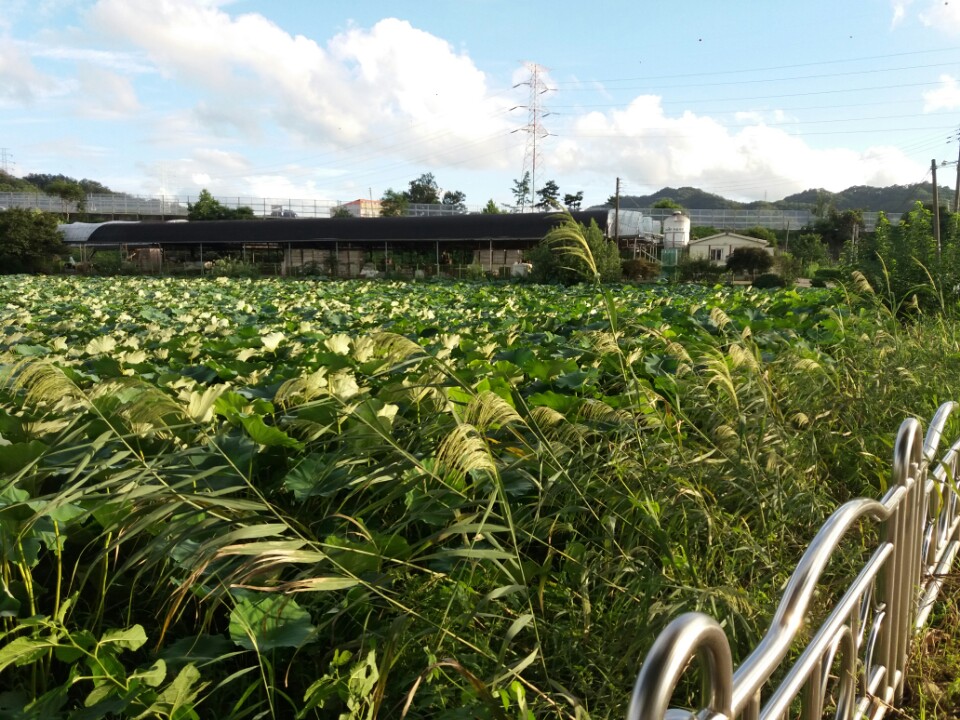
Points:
x=716 y=254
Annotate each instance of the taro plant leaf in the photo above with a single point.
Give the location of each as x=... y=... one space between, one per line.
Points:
x=201 y=405
x=343 y=385
x=268 y=622
x=271 y=341
x=657 y=365
x=306 y=478
x=101 y=345
x=376 y=415
x=30 y=350
x=555 y=401
x=267 y=434
x=17 y=456
x=576 y=380
x=230 y=405
x=339 y=344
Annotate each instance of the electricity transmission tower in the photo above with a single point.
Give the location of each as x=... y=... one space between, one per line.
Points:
x=534 y=127
x=5 y=159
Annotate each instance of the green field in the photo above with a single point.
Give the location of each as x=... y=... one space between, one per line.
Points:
x=241 y=498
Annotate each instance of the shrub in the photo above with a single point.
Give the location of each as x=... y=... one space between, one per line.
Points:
x=29 y=241
x=747 y=260
x=640 y=269
x=557 y=261
x=788 y=267
x=231 y=267
x=768 y=280
x=699 y=270
x=830 y=274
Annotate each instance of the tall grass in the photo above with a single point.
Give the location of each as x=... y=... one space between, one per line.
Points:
x=404 y=537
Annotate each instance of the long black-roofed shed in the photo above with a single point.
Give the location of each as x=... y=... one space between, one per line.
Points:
x=345 y=247
x=518 y=229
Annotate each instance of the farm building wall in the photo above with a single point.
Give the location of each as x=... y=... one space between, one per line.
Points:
x=496 y=259
x=717 y=248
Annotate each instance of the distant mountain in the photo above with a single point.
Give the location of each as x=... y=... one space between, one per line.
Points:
x=688 y=197
x=892 y=199
x=895 y=198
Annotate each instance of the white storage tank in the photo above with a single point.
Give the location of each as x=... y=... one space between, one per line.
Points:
x=676 y=231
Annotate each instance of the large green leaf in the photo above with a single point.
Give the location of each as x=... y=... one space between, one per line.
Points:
x=268 y=434
x=16 y=456
x=268 y=622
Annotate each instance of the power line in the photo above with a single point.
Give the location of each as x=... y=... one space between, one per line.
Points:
x=760 y=69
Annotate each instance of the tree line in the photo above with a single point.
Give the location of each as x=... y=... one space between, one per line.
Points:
x=425 y=191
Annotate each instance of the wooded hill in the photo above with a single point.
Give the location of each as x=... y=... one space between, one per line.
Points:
x=894 y=199
x=41 y=182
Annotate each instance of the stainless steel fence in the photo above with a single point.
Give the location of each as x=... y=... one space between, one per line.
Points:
x=854 y=665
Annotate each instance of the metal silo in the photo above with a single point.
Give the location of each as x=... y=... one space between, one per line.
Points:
x=676 y=237
x=676 y=231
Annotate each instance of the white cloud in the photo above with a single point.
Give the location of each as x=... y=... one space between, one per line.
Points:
x=282 y=186
x=653 y=149
x=104 y=94
x=942 y=15
x=945 y=97
x=899 y=11
x=388 y=87
x=121 y=62
x=221 y=162
x=20 y=81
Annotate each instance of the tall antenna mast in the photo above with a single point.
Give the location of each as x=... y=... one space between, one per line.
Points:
x=534 y=127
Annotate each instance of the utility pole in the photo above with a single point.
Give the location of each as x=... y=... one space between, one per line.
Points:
x=534 y=127
x=936 y=206
x=616 y=217
x=956 y=193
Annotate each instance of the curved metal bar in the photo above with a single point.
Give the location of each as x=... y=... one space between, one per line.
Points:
x=935 y=432
x=845 y=614
x=690 y=634
x=792 y=609
x=907 y=451
x=921 y=534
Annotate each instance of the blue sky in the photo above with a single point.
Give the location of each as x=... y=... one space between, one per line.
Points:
x=334 y=101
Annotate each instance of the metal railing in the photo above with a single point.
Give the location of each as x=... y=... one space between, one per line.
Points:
x=176 y=207
x=743 y=218
x=855 y=664
x=165 y=206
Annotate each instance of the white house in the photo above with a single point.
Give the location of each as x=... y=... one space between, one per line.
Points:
x=717 y=248
x=362 y=208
